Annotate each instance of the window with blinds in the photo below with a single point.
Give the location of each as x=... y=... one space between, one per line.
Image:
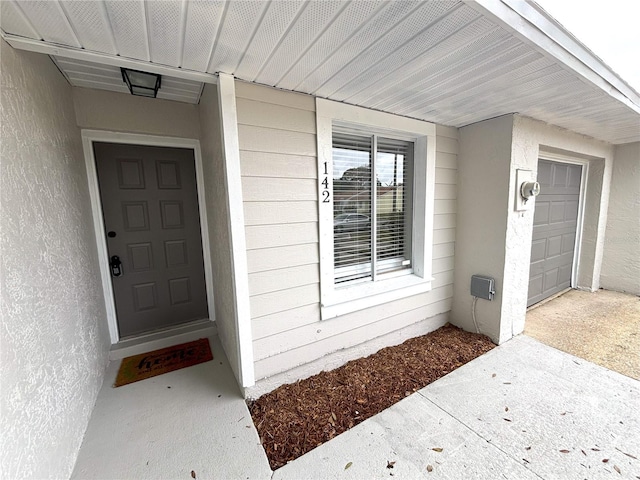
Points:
x=372 y=205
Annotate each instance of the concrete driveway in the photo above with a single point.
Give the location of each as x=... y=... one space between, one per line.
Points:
x=602 y=327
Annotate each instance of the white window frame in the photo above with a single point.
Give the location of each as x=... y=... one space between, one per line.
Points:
x=336 y=300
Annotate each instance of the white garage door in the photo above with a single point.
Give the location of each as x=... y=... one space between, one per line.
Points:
x=554 y=229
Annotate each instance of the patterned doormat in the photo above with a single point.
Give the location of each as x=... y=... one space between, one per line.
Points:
x=146 y=365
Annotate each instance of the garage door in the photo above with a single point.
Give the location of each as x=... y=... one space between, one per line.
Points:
x=554 y=229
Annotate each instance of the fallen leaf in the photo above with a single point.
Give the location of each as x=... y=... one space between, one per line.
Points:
x=617 y=469
x=595 y=449
x=584 y=453
x=193 y=474
x=605 y=460
x=506 y=409
x=437 y=449
x=493 y=376
x=429 y=468
x=348 y=465
x=390 y=464
x=507 y=419
x=627 y=454
x=564 y=451
x=527 y=448
x=526 y=460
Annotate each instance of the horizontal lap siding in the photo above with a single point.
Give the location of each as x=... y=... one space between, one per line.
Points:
x=278 y=162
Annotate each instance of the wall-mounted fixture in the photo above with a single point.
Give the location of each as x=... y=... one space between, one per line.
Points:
x=481 y=287
x=143 y=84
x=527 y=188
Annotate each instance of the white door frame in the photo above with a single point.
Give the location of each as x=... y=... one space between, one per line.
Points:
x=559 y=158
x=90 y=136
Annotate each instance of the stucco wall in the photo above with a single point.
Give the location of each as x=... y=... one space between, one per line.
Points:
x=484 y=171
x=218 y=213
x=54 y=332
x=621 y=262
x=493 y=239
x=279 y=173
x=532 y=137
x=119 y=112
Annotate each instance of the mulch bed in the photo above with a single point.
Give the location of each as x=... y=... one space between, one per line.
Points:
x=294 y=419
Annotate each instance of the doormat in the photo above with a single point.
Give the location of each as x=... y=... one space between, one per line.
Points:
x=147 y=365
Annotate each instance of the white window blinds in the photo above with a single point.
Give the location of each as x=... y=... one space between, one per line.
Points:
x=372 y=198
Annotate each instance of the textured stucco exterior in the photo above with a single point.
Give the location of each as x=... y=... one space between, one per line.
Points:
x=533 y=138
x=219 y=235
x=493 y=238
x=119 y=112
x=621 y=262
x=54 y=332
x=484 y=166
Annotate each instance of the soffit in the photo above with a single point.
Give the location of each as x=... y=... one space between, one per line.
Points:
x=443 y=61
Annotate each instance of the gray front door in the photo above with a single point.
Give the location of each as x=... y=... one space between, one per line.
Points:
x=555 y=223
x=152 y=224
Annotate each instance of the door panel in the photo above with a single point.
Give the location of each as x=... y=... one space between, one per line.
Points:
x=555 y=221
x=150 y=208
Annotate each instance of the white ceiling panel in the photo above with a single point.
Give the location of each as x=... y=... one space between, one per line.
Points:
x=107 y=77
x=129 y=26
x=443 y=61
x=91 y=24
x=166 y=23
x=274 y=24
x=408 y=55
x=312 y=21
x=203 y=22
x=13 y=20
x=381 y=47
x=447 y=56
x=359 y=42
x=350 y=20
x=50 y=22
x=240 y=20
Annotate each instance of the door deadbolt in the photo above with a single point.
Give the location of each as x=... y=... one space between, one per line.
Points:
x=116 y=266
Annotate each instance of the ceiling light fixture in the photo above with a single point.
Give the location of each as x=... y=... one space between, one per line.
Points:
x=143 y=84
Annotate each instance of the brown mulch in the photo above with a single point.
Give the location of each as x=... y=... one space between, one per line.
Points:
x=294 y=419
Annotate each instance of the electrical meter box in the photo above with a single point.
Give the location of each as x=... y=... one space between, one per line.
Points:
x=483 y=287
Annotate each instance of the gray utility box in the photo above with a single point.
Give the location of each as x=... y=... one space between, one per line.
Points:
x=482 y=287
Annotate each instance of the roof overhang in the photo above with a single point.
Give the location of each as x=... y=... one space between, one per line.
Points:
x=447 y=62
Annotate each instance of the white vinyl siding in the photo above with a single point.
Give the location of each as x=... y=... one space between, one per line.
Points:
x=282 y=238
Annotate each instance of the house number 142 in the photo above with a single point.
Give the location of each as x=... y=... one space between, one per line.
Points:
x=325 y=184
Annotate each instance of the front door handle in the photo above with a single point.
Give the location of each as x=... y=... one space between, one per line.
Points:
x=116 y=266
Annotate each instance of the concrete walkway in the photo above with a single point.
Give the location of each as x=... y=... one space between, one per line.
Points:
x=522 y=411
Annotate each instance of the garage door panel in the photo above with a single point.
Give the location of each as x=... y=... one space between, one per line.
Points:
x=541 y=213
x=575 y=175
x=571 y=210
x=560 y=175
x=535 y=286
x=538 y=250
x=554 y=226
x=554 y=246
x=550 y=279
x=564 y=276
x=568 y=243
x=546 y=231
x=557 y=212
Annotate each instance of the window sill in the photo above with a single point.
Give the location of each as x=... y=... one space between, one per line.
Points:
x=351 y=299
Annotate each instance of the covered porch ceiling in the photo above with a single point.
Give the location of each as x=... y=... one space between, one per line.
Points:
x=449 y=62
